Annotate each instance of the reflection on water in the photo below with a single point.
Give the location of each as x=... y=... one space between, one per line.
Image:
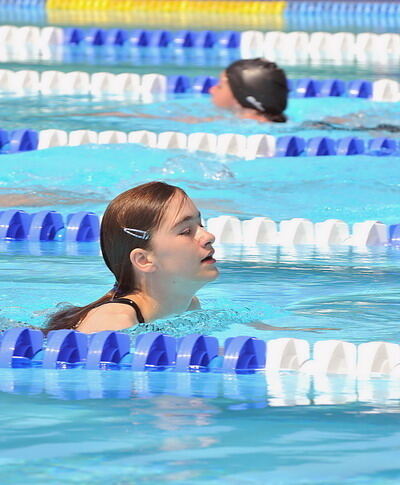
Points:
x=198 y=61
x=240 y=392
x=41 y=197
x=371 y=306
x=125 y=427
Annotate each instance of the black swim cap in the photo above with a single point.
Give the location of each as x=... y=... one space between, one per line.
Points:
x=258 y=84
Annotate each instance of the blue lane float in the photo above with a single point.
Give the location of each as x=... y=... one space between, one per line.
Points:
x=23 y=12
x=350 y=146
x=107 y=350
x=359 y=89
x=153 y=351
x=382 y=146
x=394 y=234
x=320 y=6
x=27 y=139
x=18 y=141
x=313 y=88
x=320 y=146
x=243 y=354
x=185 y=39
x=332 y=87
x=203 y=84
x=156 y=38
x=289 y=146
x=294 y=146
x=19 y=346
x=343 y=16
x=96 y=36
x=284 y=146
x=18 y=225
x=45 y=226
x=24 y=3
x=65 y=349
x=82 y=227
x=304 y=88
x=196 y=352
x=14 y=225
x=179 y=84
x=73 y=36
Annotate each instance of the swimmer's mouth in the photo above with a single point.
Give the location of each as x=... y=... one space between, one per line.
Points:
x=209 y=258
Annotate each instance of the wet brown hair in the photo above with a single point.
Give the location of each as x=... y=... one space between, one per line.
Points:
x=143 y=208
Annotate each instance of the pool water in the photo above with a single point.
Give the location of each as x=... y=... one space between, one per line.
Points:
x=188 y=113
x=191 y=62
x=267 y=292
x=57 y=427
x=121 y=427
x=351 y=188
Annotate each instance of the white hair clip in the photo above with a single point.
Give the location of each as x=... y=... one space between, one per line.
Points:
x=137 y=233
x=252 y=100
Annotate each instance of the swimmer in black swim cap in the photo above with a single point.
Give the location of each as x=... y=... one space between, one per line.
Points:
x=255 y=87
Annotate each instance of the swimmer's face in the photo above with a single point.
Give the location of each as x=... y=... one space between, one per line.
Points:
x=222 y=95
x=182 y=247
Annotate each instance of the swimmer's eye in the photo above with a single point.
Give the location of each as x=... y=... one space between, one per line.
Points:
x=190 y=230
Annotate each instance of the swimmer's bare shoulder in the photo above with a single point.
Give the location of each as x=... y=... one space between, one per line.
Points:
x=117 y=316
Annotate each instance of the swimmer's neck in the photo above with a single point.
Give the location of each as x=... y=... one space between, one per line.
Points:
x=157 y=300
x=251 y=114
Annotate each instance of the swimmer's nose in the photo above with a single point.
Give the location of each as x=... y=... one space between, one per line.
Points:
x=212 y=89
x=207 y=238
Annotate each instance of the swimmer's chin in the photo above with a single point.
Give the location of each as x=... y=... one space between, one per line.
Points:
x=211 y=275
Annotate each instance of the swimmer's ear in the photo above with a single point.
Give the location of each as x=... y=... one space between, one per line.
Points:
x=142 y=260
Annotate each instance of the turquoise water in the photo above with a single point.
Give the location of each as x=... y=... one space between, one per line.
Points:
x=231 y=437
x=188 y=113
x=90 y=427
x=121 y=427
x=307 y=293
x=225 y=434
x=86 y=178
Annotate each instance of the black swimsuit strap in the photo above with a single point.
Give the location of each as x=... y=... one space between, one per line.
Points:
x=126 y=301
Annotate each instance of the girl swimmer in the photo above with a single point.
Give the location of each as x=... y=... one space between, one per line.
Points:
x=153 y=241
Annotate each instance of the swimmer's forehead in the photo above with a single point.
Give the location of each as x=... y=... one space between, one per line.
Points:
x=223 y=77
x=180 y=209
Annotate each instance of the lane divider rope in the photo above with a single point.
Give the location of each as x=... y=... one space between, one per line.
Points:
x=248 y=147
x=154 y=351
x=48 y=225
x=52 y=42
x=156 y=87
